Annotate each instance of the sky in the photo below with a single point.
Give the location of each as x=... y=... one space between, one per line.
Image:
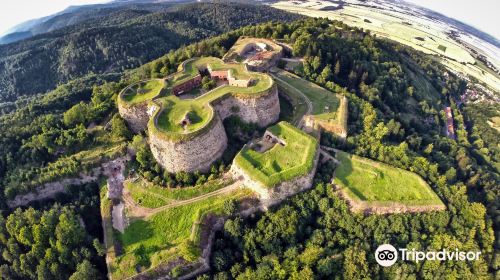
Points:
x=482 y=14
x=13 y=12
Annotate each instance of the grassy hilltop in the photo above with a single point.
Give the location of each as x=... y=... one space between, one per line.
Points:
x=167 y=121
x=382 y=184
x=280 y=163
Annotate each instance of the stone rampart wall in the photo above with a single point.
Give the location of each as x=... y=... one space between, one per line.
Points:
x=136 y=116
x=276 y=194
x=190 y=155
x=263 y=110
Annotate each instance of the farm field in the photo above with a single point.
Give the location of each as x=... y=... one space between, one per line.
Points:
x=381 y=184
x=165 y=236
x=403 y=26
x=149 y=195
x=280 y=162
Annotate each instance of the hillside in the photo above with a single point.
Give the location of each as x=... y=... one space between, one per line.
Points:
x=59 y=97
x=121 y=38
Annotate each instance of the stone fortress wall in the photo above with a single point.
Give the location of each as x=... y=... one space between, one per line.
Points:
x=262 y=110
x=276 y=194
x=201 y=151
x=136 y=116
x=194 y=154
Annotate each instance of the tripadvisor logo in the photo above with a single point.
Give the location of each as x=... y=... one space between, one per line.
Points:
x=387 y=255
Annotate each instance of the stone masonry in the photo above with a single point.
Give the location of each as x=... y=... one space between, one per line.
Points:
x=193 y=154
x=274 y=195
x=136 y=116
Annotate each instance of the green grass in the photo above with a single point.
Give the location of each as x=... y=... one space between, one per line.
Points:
x=299 y=107
x=167 y=121
x=280 y=163
x=382 y=184
x=323 y=101
x=329 y=109
x=152 y=196
x=148 y=243
x=142 y=91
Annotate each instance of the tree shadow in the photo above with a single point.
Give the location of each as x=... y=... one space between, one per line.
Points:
x=348 y=169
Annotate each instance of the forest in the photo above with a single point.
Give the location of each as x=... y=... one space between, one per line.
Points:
x=121 y=39
x=393 y=118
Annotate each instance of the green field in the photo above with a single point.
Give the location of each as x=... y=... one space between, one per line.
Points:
x=142 y=91
x=280 y=163
x=382 y=184
x=150 y=195
x=163 y=236
x=323 y=101
x=296 y=101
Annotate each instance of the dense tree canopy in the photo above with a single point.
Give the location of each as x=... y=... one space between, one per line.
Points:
x=112 y=40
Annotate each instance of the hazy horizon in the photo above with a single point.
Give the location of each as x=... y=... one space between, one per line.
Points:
x=482 y=15
x=16 y=12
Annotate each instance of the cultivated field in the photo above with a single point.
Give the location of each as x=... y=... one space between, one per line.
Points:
x=380 y=184
x=404 y=26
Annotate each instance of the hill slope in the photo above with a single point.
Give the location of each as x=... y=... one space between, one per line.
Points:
x=124 y=38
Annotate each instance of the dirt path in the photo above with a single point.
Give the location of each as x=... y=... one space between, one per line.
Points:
x=308 y=102
x=137 y=211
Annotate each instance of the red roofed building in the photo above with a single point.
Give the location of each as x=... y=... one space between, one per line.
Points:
x=187 y=85
x=219 y=74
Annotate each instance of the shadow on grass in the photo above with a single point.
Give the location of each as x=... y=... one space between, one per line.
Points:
x=137 y=232
x=346 y=169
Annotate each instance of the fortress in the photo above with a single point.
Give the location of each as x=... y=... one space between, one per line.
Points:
x=187 y=134
x=184 y=123
x=282 y=163
x=256 y=53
